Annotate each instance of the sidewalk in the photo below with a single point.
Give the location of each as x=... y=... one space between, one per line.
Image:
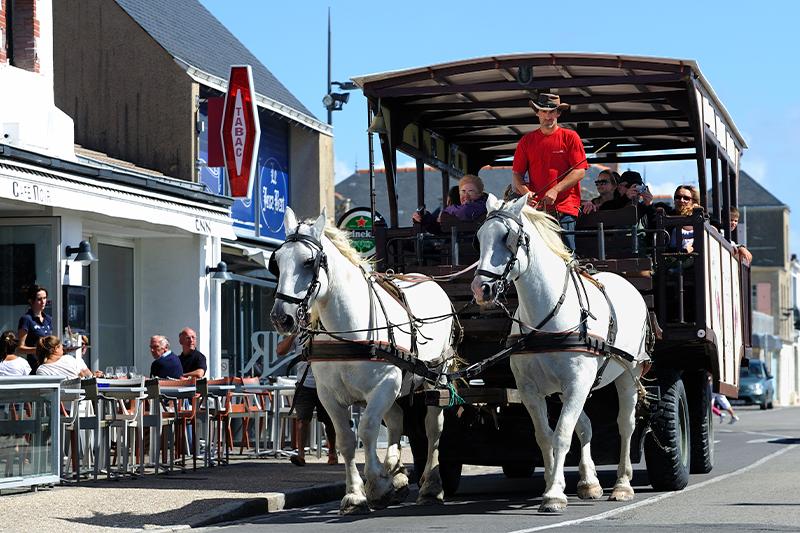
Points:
x=246 y=487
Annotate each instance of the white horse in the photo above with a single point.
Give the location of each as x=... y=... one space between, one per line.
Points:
x=523 y=245
x=321 y=273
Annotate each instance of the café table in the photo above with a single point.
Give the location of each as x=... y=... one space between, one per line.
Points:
x=276 y=413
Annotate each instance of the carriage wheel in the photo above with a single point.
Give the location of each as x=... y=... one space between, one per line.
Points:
x=518 y=470
x=451 y=477
x=701 y=422
x=667 y=445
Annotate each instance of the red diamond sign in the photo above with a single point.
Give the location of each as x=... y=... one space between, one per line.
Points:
x=240 y=132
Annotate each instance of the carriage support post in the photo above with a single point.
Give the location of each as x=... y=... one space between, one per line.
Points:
x=454 y=245
x=634 y=241
x=601 y=242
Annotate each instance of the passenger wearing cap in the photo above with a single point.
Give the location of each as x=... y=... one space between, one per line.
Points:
x=554 y=162
x=632 y=189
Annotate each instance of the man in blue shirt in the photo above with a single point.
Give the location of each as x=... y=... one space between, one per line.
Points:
x=166 y=364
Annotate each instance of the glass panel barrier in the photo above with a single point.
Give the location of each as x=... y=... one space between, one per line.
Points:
x=29 y=431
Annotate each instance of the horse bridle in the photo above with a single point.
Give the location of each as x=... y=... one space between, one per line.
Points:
x=320 y=261
x=515 y=238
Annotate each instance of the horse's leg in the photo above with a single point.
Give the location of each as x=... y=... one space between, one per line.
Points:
x=393 y=461
x=379 y=486
x=573 y=399
x=536 y=405
x=354 y=500
x=431 y=490
x=588 y=485
x=626 y=420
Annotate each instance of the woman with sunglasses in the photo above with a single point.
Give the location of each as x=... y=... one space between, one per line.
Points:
x=687 y=198
x=606 y=184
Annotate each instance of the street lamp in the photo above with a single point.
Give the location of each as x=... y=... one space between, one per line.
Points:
x=334 y=101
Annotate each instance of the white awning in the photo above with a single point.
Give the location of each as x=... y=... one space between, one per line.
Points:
x=259 y=256
x=44 y=186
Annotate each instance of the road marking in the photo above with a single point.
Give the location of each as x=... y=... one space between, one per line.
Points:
x=660 y=497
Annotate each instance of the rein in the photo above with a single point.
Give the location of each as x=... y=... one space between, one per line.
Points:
x=405 y=359
x=537 y=340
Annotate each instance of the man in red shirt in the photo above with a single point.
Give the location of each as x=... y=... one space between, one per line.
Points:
x=554 y=161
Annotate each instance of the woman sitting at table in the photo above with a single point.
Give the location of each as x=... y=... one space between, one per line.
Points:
x=53 y=362
x=12 y=365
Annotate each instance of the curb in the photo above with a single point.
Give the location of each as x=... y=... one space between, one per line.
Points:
x=271 y=502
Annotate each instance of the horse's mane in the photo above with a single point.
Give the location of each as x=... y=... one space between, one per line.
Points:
x=549 y=230
x=341 y=240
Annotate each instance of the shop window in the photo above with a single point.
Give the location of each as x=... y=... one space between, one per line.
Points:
x=245 y=312
x=115 y=306
x=27 y=256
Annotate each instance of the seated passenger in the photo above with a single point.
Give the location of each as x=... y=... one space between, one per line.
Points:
x=606 y=183
x=740 y=251
x=687 y=198
x=630 y=189
x=472 y=206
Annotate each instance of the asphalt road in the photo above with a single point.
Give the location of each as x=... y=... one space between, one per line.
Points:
x=753 y=487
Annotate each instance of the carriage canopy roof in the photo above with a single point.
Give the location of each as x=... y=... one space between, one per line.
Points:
x=636 y=104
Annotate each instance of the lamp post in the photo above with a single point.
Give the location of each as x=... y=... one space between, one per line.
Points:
x=334 y=101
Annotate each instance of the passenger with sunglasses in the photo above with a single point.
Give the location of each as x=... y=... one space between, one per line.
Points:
x=687 y=198
x=606 y=184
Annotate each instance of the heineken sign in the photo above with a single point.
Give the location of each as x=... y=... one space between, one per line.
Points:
x=358 y=224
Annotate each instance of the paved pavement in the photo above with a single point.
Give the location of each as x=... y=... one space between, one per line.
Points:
x=246 y=487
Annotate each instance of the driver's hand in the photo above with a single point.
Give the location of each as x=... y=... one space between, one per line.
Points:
x=550 y=197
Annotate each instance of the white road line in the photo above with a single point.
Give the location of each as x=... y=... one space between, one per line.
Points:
x=660 y=497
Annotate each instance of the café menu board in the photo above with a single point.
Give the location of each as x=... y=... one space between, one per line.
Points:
x=261 y=216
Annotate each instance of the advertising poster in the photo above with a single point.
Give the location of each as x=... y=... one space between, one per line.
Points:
x=273 y=178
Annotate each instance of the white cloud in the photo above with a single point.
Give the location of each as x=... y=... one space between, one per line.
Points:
x=341 y=170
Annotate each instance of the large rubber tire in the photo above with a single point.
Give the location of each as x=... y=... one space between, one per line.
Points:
x=667 y=445
x=518 y=470
x=701 y=422
x=451 y=477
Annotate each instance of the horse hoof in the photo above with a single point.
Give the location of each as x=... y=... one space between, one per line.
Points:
x=400 y=494
x=353 y=506
x=430 y=499
x=590 y=492
x=553 y=505
x=383 y=501
x=621 y=494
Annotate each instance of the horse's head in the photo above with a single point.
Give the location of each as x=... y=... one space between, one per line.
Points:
x=504 y=249
x=301 y=267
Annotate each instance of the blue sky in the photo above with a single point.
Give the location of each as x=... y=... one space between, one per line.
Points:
x=748 y=53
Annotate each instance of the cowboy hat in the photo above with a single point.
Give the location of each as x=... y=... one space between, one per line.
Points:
x=548 y=102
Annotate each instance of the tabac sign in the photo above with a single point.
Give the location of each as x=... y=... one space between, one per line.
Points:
x=240 y=132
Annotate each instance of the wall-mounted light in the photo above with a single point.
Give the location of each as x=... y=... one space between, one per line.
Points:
x=220 y=272
x=84 y=250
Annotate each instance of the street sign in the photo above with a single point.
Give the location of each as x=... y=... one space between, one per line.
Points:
x=240 y=132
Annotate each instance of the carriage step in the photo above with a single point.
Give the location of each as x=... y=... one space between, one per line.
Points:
x=473 y=395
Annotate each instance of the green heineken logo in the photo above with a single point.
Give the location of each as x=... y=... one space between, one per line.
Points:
x=358 y=223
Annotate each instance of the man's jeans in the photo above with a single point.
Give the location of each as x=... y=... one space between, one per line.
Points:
x=567 y=223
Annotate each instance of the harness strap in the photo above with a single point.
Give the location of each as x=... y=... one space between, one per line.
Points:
x=344 y=349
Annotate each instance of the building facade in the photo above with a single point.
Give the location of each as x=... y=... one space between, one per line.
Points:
x=139 y=78
x=764 y=218
x=54 y=195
